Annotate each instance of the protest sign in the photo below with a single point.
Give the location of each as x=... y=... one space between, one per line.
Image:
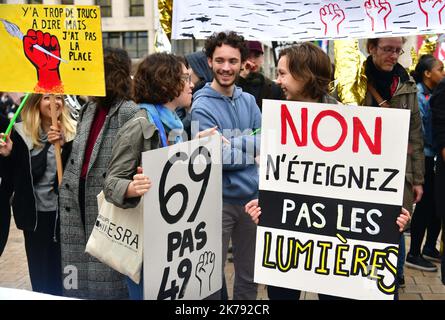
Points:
x=51 y=49
x=308 y=20
x=331 y=188
x=183 y=220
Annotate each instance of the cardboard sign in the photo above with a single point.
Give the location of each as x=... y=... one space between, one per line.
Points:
x=331 y=188
x=183 y=221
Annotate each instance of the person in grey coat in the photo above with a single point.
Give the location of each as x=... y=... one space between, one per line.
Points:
x=99 y=121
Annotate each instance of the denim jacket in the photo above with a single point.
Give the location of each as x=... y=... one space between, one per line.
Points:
x=423 y=95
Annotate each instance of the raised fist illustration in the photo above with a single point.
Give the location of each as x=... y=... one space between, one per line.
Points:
x=46 y=65
x=432 y=9
x=331 y=15
x=204 y=270
x=378 y=11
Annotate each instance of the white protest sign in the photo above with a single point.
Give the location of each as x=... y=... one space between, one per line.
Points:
x=183 y=220
x=307 y=20
x=331 y=188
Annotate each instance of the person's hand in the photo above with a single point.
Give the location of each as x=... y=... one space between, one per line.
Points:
x=443 y=154
x=207 y=132
x=403 y=219
x=418 y=192
x=253 y=210
x=140 y=185
x=247 y=68
x=5 y=146
x=56 y=135
x=46 y=65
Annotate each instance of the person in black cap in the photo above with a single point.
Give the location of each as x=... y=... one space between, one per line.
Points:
x=251 y=79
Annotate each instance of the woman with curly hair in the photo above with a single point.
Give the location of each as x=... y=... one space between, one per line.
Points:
x=30 y=164
x=99 y=122
x=161 y=84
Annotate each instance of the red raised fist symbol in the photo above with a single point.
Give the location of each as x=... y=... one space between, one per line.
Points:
x=378 y=11
x=432 y=9
x=35 y=43
x=331 y=15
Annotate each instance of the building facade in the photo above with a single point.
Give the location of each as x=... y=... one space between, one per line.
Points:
x=128 y=24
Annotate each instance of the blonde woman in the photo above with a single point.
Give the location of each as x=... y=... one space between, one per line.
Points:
x=29 y=154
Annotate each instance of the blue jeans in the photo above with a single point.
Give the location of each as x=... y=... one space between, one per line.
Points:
x=136 y=291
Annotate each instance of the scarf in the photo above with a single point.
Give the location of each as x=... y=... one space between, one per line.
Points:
x=163 y=118
x=385 y=82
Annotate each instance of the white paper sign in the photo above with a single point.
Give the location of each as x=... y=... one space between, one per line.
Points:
x=183 y=220
x=307 y=20
x=331 y=188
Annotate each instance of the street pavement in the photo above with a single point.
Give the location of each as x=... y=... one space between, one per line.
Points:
x=420 y=285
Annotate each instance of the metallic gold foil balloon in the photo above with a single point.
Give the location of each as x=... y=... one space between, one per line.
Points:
x=351 y=81
x=165 y=8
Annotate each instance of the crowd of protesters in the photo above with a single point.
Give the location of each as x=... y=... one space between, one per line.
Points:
x=219 y=89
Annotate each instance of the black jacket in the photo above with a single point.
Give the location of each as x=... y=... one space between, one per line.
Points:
x=19 y=168
x=5 y=192
x=260 y=87
x=437 y=104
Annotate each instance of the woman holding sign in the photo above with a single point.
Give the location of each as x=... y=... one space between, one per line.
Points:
x=32 y=166
x=306 y=82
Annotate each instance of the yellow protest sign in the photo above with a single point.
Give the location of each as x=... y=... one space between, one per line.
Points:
x=51 y=49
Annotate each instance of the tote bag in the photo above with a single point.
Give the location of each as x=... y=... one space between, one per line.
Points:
x=117 y=237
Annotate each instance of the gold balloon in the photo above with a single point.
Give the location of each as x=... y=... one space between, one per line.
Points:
x=351 y=81
x=165 y=8
x=428 y=46
x=414 y=60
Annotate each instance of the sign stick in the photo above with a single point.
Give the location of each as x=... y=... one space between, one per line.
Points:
x=57 y=144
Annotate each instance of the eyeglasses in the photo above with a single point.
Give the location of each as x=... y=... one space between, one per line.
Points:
x=187 y=78
x=391 y=50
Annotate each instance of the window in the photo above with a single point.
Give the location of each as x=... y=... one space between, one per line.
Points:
x=136 y=8
x=135 y=42
x=67 y=2
x=105 y=7
x=111 y=39
x=35 y=1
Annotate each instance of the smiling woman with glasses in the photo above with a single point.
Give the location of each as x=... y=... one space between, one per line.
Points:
x=161 y=84
x=187 y=78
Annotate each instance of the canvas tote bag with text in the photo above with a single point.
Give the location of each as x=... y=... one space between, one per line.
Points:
x=117 y=237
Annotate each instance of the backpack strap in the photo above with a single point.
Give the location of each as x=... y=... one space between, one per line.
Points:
x=377 y=97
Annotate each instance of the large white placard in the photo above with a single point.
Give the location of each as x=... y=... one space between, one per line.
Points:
x=307 y=20
x=183 y=220
x=331 y=188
